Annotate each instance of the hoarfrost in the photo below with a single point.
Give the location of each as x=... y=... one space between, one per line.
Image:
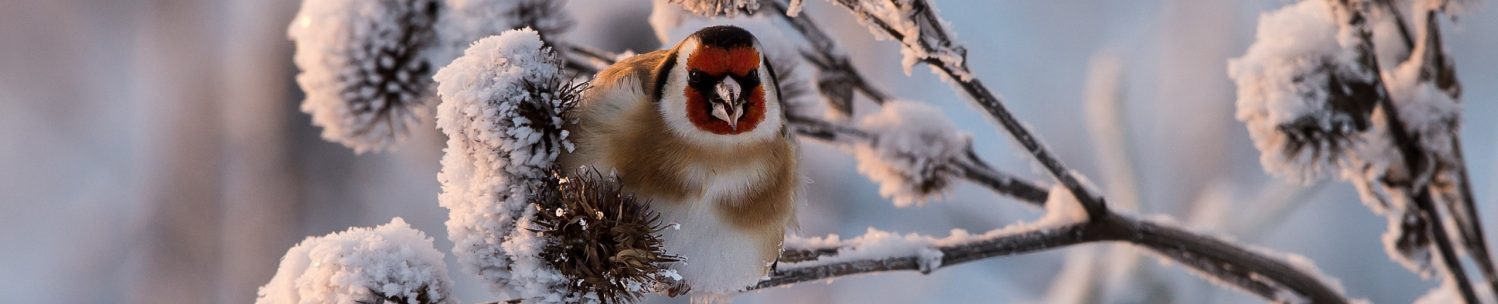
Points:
x=391 y=263
x=502 y=117
x=1299 y=94
x=363 y=67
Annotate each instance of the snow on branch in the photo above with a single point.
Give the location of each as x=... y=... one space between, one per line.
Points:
x=1272 y=276
x=900 y=19
x=364 y=67
x=923 y=36
x=391 y=263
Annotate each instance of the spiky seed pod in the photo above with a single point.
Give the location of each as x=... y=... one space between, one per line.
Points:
x=1300 y=93
x=601 y=238
x=364 y=67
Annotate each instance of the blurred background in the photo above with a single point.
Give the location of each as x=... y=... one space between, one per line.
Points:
x=154 y=152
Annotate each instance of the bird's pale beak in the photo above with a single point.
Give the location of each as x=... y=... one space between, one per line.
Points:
x=726 y=106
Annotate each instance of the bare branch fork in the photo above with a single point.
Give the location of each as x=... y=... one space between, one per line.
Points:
x=1207 y=254
x=1241 y=267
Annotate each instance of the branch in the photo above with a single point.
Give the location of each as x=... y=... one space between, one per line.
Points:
x=838 y=75
x=1471 y=224
x=1243 y=268
x=970 y=166
x=1004 y=245
x=956 y=70
x=1240 y=267
x=1251 y=271
x=1352 y=17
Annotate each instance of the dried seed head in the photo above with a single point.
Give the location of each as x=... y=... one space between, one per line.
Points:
x=364 y=67
x=602 y=239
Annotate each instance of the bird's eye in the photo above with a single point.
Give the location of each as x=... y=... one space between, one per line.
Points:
x=753 y=74
x=696 y=76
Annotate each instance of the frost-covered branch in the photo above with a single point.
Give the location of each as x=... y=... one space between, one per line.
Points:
x=1253 y=271
x=1422 y=146
x=1213 y=258
x=1316 y=99
x=927 y=259
x=924 y=38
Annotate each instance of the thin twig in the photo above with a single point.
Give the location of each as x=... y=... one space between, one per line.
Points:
x=836 y=68
x=1415 y=159
x=1094 y=204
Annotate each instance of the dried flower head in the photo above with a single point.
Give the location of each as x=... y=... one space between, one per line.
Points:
x=1299 y=93
x=392 y=263
x=911 y=155
x=363 y=67
x=502 y=108
x=601 y=238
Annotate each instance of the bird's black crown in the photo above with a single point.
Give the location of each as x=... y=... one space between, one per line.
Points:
x=724 y=36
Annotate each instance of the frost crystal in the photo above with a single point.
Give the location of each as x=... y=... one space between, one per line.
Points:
x=725 y=8
x=912 y=154
x=1300 y=93
x=391 y=263
x=501 y=110
x=363 y=67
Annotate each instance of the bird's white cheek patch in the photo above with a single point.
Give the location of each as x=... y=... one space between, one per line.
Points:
x=673 y=107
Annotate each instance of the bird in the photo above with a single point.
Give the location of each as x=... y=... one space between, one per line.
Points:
x=699 y=132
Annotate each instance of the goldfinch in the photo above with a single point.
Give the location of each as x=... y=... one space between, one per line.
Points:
x=698 y=130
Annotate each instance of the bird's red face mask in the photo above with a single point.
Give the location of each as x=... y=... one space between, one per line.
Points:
x=725 y=93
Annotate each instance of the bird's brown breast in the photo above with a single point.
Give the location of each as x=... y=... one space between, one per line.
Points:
x=654 y=162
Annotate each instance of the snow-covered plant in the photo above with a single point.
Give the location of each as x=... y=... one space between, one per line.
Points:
x=913 y=152
x=501 y=110
x=367 y=65
x=364 y=67
x=390 y=263
x=1399 y=146
x=516 y=220
x=1298 y=91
